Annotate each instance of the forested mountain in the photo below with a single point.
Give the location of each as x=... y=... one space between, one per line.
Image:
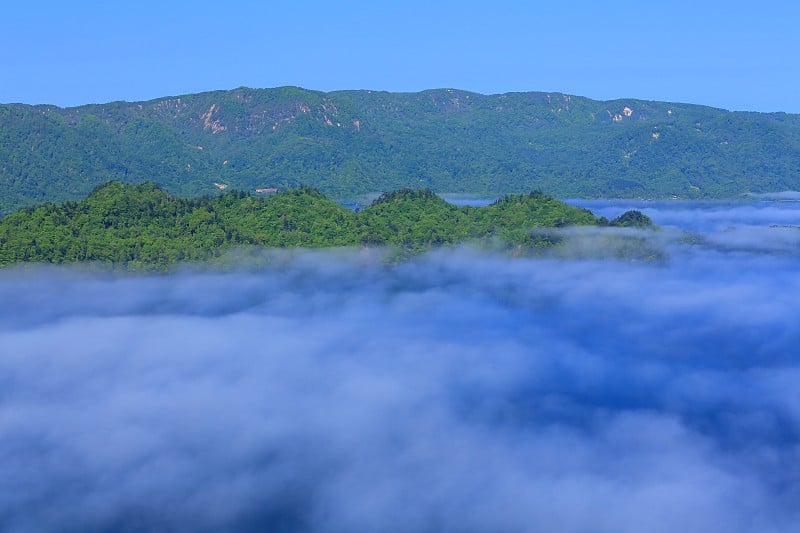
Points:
x=144 y=226
x=352 y=142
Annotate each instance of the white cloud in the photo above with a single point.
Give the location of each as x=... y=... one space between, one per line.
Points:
x=459 y=391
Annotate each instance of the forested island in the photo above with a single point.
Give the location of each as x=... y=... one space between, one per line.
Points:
x=144 y=226
x=347 y=143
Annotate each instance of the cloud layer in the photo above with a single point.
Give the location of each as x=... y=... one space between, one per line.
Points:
x=460 y=391
x=706 y=215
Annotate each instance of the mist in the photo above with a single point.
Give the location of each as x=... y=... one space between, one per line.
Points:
x=462 y=390
x=705 y=216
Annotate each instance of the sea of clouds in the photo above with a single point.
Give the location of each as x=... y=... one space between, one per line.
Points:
x=463 y=390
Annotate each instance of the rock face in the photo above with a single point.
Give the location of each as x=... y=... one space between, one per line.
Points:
x=352 y=142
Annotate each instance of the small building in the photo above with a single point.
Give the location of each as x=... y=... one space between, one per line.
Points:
x=267 y=190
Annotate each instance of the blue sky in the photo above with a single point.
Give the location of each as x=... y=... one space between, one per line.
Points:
x=740 y=56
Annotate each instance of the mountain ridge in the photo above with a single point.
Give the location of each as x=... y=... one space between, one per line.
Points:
x=348 y=143
x=143 y=226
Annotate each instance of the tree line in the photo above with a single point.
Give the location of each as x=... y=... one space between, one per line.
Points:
x=144 y=226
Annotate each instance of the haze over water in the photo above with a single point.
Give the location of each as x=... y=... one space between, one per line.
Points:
x=703 y=216
x=594 y=388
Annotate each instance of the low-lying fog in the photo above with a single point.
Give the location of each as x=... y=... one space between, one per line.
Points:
x=703 y=215
x=460 y=391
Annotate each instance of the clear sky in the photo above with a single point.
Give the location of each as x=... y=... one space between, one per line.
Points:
x=734 y=55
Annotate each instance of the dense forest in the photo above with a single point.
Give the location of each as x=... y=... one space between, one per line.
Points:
x=144 y=226
x=349 y=143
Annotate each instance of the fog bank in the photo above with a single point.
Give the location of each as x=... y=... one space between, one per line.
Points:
x=459 y=391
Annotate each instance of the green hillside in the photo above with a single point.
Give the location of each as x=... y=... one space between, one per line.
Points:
x=352 y=142
x=144 y=226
